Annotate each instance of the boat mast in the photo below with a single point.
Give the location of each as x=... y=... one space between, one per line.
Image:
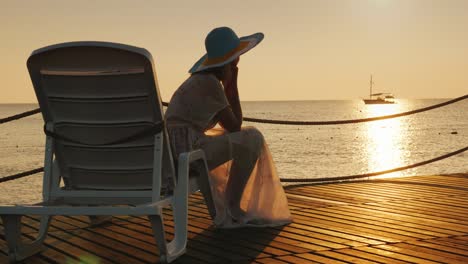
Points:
x=370 y=93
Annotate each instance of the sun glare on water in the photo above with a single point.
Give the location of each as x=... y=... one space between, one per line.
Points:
x=385 y=140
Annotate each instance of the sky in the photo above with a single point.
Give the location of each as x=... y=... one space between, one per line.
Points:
x=313 y=49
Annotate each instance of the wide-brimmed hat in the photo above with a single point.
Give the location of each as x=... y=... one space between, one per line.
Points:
x=223 y=46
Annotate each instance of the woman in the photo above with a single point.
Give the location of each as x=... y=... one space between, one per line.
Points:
x=243 y=180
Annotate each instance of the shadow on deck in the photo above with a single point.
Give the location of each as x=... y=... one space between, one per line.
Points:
x=420 y=219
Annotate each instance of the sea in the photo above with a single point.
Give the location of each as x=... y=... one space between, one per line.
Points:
x=318 y=151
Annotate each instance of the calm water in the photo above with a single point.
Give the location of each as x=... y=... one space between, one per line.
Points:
x=299 y=151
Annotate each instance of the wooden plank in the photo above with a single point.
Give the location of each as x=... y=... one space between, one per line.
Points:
x=279 y=246
x=433 y=253
x=445 y=221
x=428 y=258
x=394 y=255
x=52 y=253
x=421 y=218
x=4 y=253
x=366 y=191
x=93 y=245
x=418 y=219
x=400 y=217
x=377 y=216
x=430 y=203
x=62 y=250
x=303 y=201
x=193 y=251
x=316 y=193
x=368 y=232
x=38 y=259
x=460 y=199
x=310 y=241
x=402 y=232
x=344 y=257
x=148 y=231
x=338 y=233
x=213 y=249
x=188 y=259
x=287 y=243
x=369 y=256
x=281 y=237
x=3 y=250
x=34 y=259
x=270 y=261
x=298 y=260
x=459 y=249
x=245 y=235
x=429 y=206
x=119 y=232
x=360 y=218
x=448 y=203
x=123 y=244
x=318 y=258
x=436 y=179
x=394 y=189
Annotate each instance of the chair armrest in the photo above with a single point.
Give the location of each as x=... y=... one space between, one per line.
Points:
x=192 y=156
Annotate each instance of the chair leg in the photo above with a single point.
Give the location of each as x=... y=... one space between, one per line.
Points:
x=157 y=224
x=179 y=205
x=12 y=229
x=44 y=227
x=16 y=249
x=205 y=189
x=170 y=251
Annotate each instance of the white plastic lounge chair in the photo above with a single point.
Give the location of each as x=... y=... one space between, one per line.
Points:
x=107 y=141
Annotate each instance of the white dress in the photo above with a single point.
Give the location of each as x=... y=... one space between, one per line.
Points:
x=190 y=121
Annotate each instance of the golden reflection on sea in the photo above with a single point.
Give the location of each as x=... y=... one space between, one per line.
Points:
x=385 y=140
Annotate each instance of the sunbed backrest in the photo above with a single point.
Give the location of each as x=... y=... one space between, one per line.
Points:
x=95 y=93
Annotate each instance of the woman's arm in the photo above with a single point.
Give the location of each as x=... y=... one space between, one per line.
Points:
x=230 y=118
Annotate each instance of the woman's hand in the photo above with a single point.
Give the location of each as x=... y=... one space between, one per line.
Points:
x=231 y=117
x=234 y=70
x=230 y=82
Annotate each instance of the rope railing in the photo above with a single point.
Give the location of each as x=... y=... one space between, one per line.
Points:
x=19 y=116
x=353 y=121
x=372 y=174
x=21 y=174
x=296 y=180
x=289 y=122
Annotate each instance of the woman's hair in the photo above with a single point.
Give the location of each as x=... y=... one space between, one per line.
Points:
x=217 y=71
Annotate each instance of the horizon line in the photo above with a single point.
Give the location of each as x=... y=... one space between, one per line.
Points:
x=286 y=100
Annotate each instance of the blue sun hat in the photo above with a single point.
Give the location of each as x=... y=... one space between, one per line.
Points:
x=223 y=46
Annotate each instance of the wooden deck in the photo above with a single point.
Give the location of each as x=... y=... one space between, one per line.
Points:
x=421 y=219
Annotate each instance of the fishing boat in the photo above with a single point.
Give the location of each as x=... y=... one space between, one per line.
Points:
x=379 y=98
